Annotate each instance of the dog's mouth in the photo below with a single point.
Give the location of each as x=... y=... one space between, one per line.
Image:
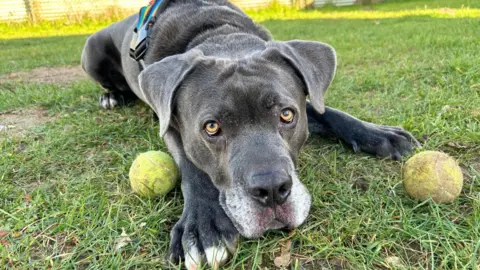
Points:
x=252 y=220
x=255 y=224
x=280 y=216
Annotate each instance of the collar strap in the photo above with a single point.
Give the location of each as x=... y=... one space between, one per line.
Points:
x=141 y=34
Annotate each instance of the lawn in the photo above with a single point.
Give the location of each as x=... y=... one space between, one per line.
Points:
x=65 y=199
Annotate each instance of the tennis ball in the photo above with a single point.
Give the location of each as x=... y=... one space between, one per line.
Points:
x=432 y=174
x=153 y=173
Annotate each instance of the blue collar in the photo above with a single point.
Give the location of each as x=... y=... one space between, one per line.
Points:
x=141 y=34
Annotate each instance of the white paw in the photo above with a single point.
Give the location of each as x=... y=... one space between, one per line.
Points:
x=193 y=259
x=217 y=256
x=108 y=101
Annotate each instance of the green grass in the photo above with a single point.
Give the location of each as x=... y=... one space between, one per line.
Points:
x=64 y=191
x=43 y=49
x=27 y=53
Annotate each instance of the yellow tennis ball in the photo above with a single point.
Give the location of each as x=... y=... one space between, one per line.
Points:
x=153 y=173
x=432 y=174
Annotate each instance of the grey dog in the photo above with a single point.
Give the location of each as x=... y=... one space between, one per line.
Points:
x=233 y=111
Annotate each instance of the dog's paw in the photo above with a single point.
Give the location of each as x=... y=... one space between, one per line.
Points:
x=204 y=234
x=382 y=141
x=111 y=100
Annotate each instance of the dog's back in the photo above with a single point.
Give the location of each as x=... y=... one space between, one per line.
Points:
x=216 y=27
x=232 y=109
x=186 y=24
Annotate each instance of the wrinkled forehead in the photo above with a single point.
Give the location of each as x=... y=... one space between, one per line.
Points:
x=246 y=85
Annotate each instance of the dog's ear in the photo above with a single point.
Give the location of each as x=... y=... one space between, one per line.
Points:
x=314 y=62
x=159 y=81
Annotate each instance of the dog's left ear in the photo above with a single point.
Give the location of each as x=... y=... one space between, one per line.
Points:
x=160 y=81
x=314 y=62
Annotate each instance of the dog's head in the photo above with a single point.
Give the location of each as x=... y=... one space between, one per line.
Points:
x=243 y=122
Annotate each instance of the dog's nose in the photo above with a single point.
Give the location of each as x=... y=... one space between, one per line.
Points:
x=269 y=187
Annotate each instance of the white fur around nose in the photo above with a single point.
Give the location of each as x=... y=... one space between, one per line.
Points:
x=301 y=200
x=244 y=212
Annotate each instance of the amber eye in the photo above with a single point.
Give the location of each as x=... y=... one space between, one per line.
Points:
x=286 y=116
x=212 y=128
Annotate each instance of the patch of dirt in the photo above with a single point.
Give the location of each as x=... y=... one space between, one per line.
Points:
x=46 y=75
x=470 y=167
x=49 y=244
x=332 y=264
x=361 y=185
x=16 y=123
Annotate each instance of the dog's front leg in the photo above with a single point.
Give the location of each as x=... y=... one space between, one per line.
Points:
x=204 y=232
x=379 y=140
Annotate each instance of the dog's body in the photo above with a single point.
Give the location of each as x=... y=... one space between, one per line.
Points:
x=233 y=112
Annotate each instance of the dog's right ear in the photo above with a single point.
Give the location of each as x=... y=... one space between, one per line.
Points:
x=159 y=82
x=315 y=62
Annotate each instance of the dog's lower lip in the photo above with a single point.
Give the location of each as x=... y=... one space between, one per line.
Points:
x=275 y=223
x=274 y=215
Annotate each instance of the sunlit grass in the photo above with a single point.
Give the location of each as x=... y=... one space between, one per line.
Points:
x=275 y=12
x=51 y=28
x=292 y=14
